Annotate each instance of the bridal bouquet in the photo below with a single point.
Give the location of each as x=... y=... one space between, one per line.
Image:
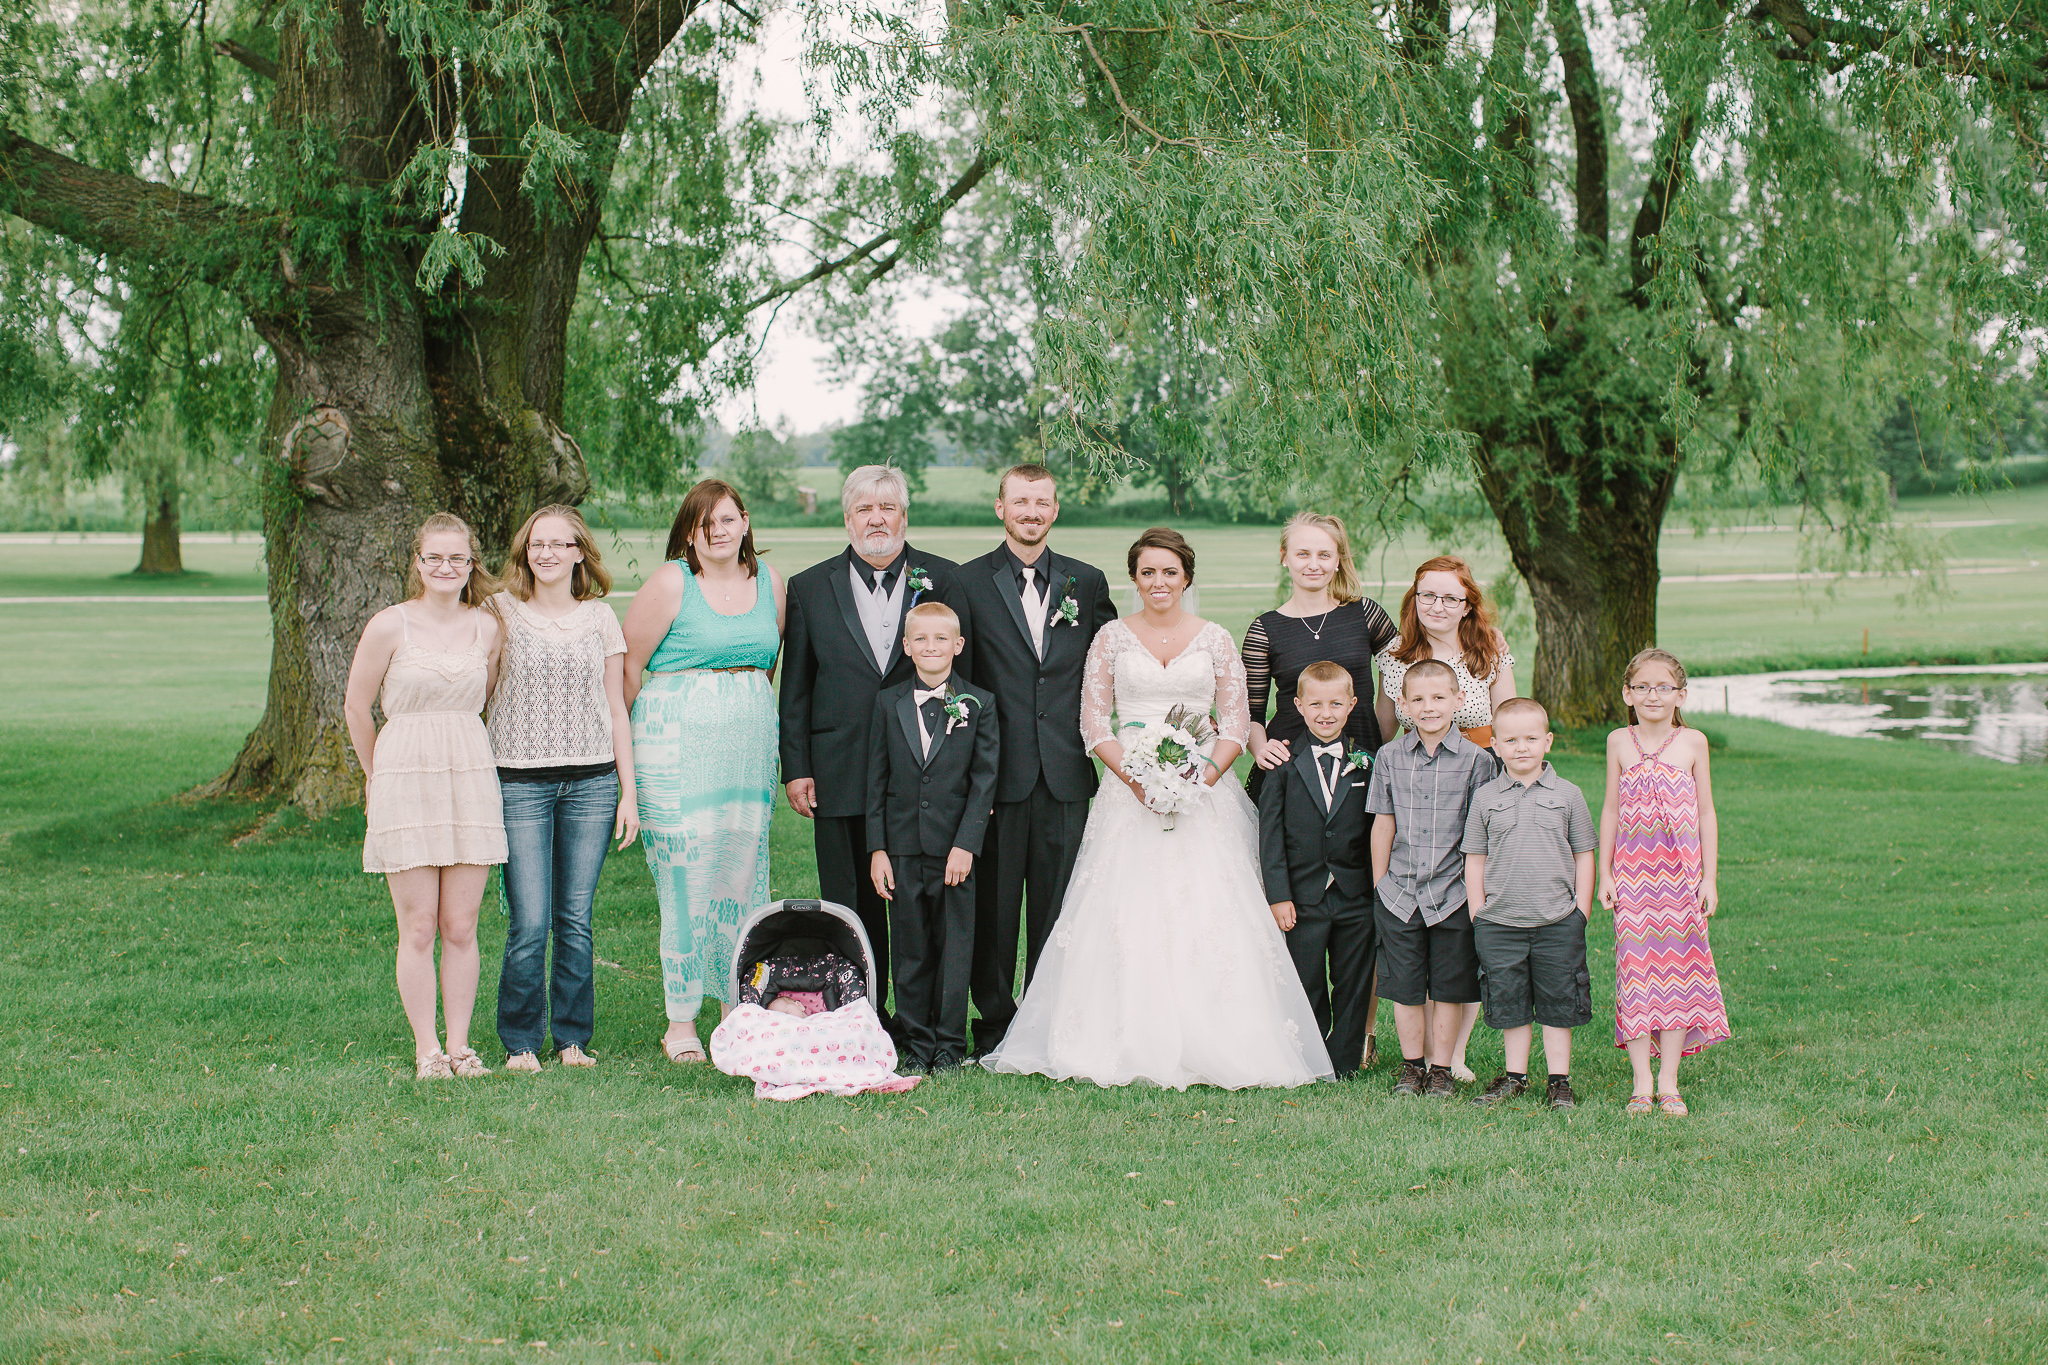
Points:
x=1165 y=758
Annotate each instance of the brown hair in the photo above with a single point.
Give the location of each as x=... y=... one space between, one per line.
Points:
x=1325 y=672
x=477 y=589
x=1167 y=539
x=587 y=579
x=1344 y=584
x=1424 y=668
x=698 y=505
x=1517 y=704
x=932 y=609
x=1030 y=473
x=1477 y=639
x=1654 y=655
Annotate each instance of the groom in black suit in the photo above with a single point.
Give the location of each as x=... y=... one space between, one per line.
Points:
x=1035 y=614
x=842 y=643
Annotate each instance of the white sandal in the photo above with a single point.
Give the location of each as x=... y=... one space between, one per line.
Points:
x=684 y=1051
x=432 y=1066
x=467 y=1064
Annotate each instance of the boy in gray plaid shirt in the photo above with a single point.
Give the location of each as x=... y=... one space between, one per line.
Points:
x=1529 y=844
x=1422 y=785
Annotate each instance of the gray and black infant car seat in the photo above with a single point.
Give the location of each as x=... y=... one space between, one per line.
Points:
x=803 y=946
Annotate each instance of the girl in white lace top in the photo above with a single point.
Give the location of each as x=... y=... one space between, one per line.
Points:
x=564 y=749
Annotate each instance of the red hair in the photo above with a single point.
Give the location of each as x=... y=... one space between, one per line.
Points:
x=1477 y=638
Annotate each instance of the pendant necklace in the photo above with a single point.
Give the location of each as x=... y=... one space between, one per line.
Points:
x=1315 y=631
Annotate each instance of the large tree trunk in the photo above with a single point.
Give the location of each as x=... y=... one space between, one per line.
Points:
x=1591 y=565
x=161 y=552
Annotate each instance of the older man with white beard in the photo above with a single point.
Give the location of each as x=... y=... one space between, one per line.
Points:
x=842 y=644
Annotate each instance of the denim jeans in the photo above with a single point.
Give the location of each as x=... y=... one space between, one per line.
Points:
x=556 y=835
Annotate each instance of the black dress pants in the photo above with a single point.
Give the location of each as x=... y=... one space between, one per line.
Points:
x=843 y=859
x=932 y=930
x=1333 y=946
x=1030 y=847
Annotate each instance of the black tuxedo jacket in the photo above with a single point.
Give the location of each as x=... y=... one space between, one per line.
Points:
x=829 y=678
x=1041 y=698
x=932 y=803
x=1302 y=843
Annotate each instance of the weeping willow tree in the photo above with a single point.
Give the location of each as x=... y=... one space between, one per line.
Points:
x=472 y=238
x=1657 y=239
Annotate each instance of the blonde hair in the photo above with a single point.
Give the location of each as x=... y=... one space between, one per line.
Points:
x=1344 y=584
x=1423 y=669
x=1516 y=705
x=586 y=580
x=1654 y=655
x=477 y=588
x=923 y=609
x=1323 y=671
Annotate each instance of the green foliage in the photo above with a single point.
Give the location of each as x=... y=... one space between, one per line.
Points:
x=763 y=466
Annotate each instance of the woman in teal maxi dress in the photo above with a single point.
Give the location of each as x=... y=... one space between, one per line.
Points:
x=704 y=744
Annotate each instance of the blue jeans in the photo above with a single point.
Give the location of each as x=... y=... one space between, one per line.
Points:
x=556 y=835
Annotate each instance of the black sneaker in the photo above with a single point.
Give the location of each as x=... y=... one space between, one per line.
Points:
x=1411 y=1078
x=1560 y=1095
x=1439 y=1085
x=942 y=1063
x=1502 y=1089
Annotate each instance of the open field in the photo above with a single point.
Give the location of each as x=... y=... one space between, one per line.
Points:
x=1996 y=610
x=211 y=1147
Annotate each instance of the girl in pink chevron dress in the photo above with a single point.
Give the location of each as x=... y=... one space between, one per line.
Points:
x=1659 y=845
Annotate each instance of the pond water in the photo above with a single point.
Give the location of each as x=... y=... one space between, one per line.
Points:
x=1997 y=711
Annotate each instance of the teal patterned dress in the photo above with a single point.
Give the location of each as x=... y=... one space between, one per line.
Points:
x=704 y=746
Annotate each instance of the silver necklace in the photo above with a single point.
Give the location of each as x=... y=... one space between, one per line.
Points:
x=1315 y=631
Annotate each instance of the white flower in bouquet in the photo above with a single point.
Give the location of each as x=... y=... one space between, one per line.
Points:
x=1165 y=758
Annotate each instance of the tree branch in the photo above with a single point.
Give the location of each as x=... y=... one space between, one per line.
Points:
x=1812 y=34
x=1589 y=128
x=255 y=61
x=1667 y=179
x=1159 y=139
x=959 y=190
x=122 y=215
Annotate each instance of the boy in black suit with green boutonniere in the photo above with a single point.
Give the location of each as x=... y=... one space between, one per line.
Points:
x=932 y=747
x=1315 y=853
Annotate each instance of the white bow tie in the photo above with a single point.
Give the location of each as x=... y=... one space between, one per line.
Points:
x=1333 y=750
x=920 y=696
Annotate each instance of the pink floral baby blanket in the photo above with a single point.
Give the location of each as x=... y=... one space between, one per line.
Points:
x=839 y=1052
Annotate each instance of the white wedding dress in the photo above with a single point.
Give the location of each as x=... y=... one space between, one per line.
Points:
x=1165 y=966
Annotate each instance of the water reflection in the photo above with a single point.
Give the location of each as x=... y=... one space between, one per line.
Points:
x=1998 y=712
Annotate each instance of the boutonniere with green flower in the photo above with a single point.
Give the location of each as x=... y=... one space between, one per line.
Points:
x=1357 y=760
x=1068 y=612
x=958 y=710
x=919 y=583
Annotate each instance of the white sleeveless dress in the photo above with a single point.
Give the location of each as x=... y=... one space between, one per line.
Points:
x=1165 y=966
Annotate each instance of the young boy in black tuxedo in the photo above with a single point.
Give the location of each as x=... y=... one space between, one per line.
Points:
x=932 y=749
x=1316 y=856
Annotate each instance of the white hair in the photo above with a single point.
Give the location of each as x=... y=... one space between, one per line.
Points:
x=867 y=479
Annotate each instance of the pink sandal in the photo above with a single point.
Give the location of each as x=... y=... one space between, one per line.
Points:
x=1637 y=1104
x=1671 y=1104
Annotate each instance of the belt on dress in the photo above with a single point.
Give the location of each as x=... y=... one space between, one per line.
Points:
x=736 y=668
x=1482 y=735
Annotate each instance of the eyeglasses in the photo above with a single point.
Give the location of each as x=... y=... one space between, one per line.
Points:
x=451 y=561
x=560 y=547
x=1660 y=691
x=1434 y=599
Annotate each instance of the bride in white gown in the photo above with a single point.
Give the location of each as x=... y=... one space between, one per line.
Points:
x=1165 y=966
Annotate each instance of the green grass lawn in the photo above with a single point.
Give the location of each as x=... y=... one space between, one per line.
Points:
x=211 y=1147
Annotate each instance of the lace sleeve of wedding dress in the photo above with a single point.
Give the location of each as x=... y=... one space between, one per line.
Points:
x=1098 y=685
x=1233 y=707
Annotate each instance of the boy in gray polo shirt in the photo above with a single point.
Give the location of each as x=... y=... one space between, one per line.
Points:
x=1529 y=844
